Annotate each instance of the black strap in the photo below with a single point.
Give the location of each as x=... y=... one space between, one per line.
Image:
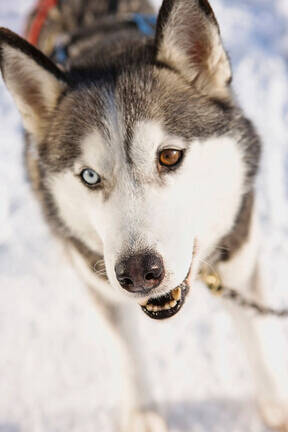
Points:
x=113 y=6
x=235 y=296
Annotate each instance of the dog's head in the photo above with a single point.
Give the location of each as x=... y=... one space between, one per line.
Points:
x=143 y=156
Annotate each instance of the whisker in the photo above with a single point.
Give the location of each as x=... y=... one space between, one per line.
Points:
x=223 y=248
x=100 y=267
x=101 y=272
x=208 y=265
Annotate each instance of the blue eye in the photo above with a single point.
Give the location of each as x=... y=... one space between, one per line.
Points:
x=90 y=177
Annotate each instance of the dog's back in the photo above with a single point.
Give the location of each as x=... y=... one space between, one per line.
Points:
x=84 y=23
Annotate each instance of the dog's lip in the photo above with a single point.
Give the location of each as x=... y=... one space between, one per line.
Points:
x=167 y=305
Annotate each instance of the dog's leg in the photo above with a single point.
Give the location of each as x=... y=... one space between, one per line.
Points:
x=121 y=323
x=263 y=336
x=138 y=413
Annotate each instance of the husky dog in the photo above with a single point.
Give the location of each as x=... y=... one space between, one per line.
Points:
x=144 y=166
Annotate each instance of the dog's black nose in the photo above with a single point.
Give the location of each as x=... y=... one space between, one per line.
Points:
x=140 y=273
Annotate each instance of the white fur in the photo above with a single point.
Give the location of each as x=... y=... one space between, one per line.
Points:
x=263 y=338
x=145 y=422
x=22 y=74
x=138 y=209
x=200 y=201
x=188 y=29
x=168 y=215
x=92 y=280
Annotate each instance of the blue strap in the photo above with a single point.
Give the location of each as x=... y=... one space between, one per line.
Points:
x=60 y=54
x=145 y=23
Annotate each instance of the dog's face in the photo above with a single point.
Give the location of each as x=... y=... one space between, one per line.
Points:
x=144 y=162
x=140 y=186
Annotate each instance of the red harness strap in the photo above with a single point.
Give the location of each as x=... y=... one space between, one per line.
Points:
x=42 y=11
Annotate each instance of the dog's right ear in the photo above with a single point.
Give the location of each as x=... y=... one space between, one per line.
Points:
x=34 y=81
x=188 y=40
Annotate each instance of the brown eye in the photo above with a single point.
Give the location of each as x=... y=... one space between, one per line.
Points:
x=170 y=157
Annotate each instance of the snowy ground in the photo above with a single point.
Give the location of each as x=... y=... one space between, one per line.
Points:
x=57 y=373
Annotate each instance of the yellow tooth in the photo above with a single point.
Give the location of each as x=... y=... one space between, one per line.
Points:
x=167 y=306
x=143 y=302
x=172 y=303
x=176 y=294
x=149 y=308
x=156 y=308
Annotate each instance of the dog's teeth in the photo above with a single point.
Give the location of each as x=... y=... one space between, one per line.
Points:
x=176 y=294
x=143 y=303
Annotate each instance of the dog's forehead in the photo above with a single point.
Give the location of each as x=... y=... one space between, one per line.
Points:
x=161 y=95
x=115 y=155
x=120 y=110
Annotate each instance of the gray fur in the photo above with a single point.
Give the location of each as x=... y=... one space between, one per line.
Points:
x=233 y=241
x=153 y=99
x=112 y=80
x=122 y=64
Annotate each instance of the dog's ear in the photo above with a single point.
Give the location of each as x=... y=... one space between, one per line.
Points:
x=188 y=40
x=34 y=81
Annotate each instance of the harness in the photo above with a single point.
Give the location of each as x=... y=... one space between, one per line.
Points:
x=213 y=282
x=42 y=11
x=145 y=24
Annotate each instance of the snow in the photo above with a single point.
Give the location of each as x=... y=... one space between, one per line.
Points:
x=57 y=370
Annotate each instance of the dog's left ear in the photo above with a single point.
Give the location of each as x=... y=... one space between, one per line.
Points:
x=188 y=40
x=34 y=81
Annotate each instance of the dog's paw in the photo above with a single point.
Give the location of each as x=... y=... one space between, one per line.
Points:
x=275 y=414
x=148 y=421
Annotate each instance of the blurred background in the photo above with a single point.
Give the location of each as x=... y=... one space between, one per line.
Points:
x=57 y=371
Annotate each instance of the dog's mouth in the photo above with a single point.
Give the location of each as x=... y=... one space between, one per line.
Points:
x=167 y=305
x=170 y=304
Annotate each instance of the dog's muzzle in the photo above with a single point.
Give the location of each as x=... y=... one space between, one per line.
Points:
x=167 y=305
x=143 y=272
